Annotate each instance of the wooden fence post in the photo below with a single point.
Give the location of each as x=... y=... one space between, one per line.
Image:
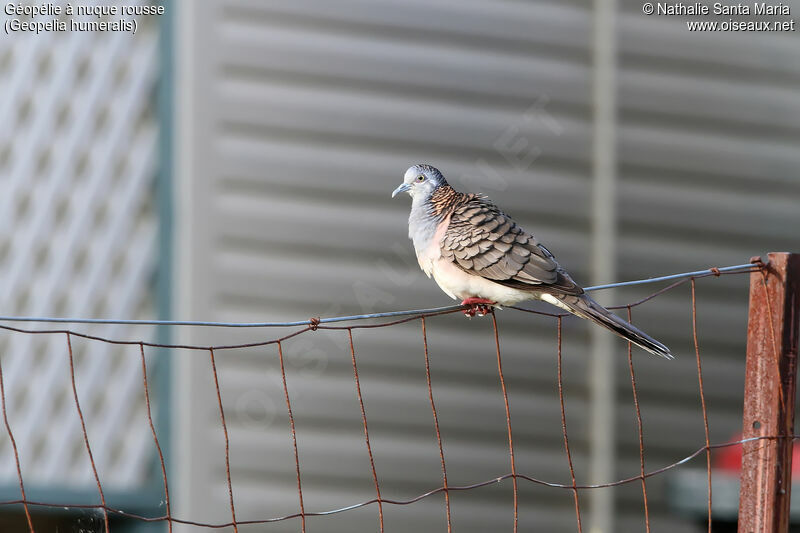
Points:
x=769 y=396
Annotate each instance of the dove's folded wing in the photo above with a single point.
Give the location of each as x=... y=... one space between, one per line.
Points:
x=485 y=242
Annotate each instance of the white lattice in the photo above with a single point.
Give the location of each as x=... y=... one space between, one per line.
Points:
x=77 y=238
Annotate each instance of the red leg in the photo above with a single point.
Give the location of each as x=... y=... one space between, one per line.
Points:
x=479 y=306
x=474 y=301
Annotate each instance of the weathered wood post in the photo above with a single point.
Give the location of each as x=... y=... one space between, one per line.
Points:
x=769 y=395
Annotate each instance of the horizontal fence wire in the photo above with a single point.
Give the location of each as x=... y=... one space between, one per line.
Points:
x=402 y=317
x=453 y=488
x=715 y=271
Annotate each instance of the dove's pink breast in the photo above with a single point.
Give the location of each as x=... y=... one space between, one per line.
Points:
x=432 y=252
x=460 y=285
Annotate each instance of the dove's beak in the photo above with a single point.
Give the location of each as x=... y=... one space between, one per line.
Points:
x=402 y=188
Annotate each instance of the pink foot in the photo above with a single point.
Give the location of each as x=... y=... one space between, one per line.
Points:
x=479 y=306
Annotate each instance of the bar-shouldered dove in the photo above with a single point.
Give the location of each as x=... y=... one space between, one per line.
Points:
x=478 y=254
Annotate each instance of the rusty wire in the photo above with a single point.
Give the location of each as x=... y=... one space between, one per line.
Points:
x=436 y=425
x=508 y=422
x=389 y=501
x=639 y=430
x=155 y=436
x=294 y=440
x=366 y=429
x=227 y=439
x=85 y=434
x=446 y=489
x=575 y=497
x=16 y=452
x=702 y=399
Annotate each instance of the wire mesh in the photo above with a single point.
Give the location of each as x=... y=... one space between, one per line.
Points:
x=423 y=316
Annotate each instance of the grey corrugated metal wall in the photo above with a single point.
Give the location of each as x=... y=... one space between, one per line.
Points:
x=708 y=175
x=297 y=119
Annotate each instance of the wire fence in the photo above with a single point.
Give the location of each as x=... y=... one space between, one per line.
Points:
x=353 y=323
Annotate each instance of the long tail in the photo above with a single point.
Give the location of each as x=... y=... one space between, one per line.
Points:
x=584 y=307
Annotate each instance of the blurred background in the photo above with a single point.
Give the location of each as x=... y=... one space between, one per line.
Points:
x=233 y=161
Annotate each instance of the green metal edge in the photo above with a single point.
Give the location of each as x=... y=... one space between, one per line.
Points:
x=164 y=366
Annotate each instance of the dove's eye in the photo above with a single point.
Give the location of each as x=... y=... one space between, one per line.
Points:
x=421 y=177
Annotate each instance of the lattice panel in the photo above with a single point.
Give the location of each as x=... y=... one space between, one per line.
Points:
x=77 y=238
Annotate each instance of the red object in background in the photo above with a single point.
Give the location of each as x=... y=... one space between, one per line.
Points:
x=730 y=457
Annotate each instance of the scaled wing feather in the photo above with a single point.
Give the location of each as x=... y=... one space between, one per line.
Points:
x=484 y=241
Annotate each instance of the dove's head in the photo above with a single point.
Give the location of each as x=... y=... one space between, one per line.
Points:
x=420 y=181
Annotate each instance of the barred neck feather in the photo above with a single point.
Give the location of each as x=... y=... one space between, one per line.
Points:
x=445 y=199
x=428 y=212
